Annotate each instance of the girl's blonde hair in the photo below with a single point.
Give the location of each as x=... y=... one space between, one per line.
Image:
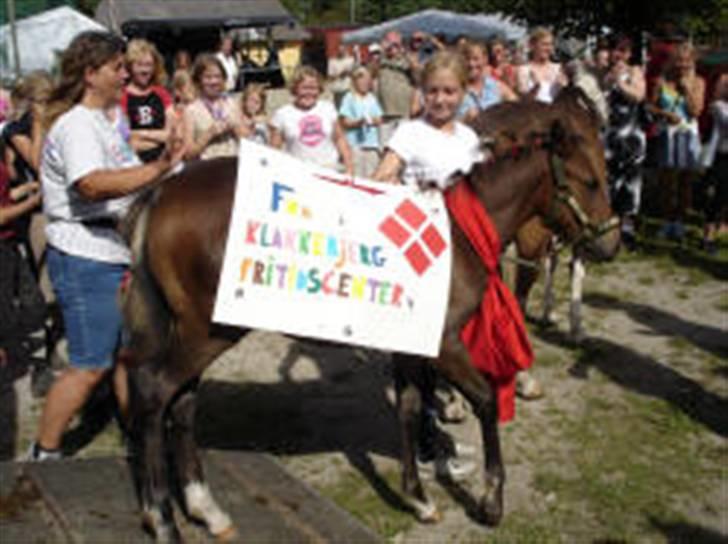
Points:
x=33 y=87
x=91 y=49
x=252 y=89
x=182 y=79
x=302 y=72
x=137 y=49
x=358 y=73
x=445 y=60
x=472 y=45
x=538 y=34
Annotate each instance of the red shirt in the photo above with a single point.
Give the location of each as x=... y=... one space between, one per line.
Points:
x=6 y=231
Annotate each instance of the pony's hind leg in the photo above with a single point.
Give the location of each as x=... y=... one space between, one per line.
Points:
x=148 y=406
x=408 y=378
x=190 y=476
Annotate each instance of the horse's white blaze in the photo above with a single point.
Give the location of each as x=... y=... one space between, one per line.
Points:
x=202 y=506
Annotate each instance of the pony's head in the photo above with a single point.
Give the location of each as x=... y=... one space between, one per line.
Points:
x=578 y=209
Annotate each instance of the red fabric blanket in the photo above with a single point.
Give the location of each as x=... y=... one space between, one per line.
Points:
x=496 y=335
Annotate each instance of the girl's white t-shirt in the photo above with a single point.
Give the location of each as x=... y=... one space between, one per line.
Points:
x=308 y=134
x=433 y=155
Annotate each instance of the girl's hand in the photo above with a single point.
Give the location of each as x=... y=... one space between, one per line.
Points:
x=22 y=191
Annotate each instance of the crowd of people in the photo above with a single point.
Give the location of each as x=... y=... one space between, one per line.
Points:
x=82 y=145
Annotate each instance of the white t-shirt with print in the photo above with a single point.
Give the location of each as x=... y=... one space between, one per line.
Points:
x=308 y=134
x=81 y=141
x=433 y=155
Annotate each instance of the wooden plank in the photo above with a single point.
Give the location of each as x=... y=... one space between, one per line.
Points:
x=313 y=517
x=253 y=512
x=93 y=500
x=23 y=518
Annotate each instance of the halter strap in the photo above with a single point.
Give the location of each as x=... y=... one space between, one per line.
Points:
x=563 y=196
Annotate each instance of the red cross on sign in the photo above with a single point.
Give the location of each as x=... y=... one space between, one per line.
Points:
x=408 y=228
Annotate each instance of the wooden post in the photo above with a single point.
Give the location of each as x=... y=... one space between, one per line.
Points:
x=13 y=35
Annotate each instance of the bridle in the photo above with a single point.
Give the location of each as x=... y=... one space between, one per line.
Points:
x=563 y=196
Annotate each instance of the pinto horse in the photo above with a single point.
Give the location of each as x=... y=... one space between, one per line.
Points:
x=178 y=237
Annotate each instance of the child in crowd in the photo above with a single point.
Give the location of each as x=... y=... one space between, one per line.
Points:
x=22 y=133
x=309 y=128
x=146 y=103
x=214 y=120
x=430 y=150
x=361 y=115
x=253 y=102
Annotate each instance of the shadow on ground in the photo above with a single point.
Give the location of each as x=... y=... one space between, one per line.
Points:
x=710 y=339
x=682 y=533
x=644 y=375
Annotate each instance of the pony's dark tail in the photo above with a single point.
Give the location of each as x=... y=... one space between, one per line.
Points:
x=146 y=315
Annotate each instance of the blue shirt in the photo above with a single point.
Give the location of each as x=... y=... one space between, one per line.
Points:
x=489 y=95
x=355 y=107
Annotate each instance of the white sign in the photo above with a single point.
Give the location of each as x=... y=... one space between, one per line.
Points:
x=312 y=252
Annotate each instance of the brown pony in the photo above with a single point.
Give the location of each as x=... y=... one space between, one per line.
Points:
x=178 y=240
x=534 y=241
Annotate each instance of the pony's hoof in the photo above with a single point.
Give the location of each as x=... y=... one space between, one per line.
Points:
x=529 y=388
x=492 y=511
x=426 y=512
x=454 y=412
x=163 y=533
x=229 y=534
x=577 y=336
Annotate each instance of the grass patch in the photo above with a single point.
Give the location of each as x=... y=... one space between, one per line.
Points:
x=646 y=280
x=682 y=294
x=722 y=304
x=354 y=494
x=524 y=529
x=679 y=344
x=630 y=461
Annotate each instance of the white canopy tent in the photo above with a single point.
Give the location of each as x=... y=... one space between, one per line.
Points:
x=446 y=23
x=41 y=38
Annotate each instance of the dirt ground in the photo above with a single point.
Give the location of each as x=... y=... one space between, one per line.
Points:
x=629 y=443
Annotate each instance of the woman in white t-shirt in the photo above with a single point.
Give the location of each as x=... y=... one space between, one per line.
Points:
x=428 y=151
x=540 y=79
x=309 y=128
x=88 y=175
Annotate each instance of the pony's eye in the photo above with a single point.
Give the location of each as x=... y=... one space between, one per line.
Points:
x=592 y=184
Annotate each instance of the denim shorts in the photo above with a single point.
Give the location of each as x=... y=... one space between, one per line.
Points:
x=87 y=294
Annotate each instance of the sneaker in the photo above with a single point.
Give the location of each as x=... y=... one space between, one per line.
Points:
x=447 y=467
x=37 y=454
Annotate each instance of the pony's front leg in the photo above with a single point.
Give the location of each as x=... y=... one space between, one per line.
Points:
x=454 y=362
x=198 y=500
x=408 y=379
x=149 y=457
x=551 y=262
x=578 y=272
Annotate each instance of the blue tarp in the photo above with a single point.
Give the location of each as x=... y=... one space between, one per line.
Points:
x=442 y=23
